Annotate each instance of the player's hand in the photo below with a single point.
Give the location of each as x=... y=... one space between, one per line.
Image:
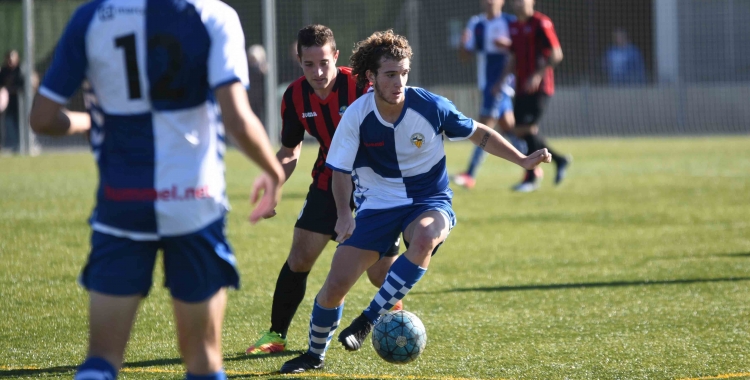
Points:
x=271 y=195
x=532 y=85
x=344 y=227
x=270 y=214
x=533 y=160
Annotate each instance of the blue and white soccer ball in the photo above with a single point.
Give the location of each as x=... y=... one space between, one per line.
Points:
x=399 y=337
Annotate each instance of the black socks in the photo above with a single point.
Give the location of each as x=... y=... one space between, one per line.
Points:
x=290 y=290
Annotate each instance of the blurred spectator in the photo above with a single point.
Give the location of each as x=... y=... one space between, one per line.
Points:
x=623 y=61
x=256 y=60
x=288 y=69
x=11 y=81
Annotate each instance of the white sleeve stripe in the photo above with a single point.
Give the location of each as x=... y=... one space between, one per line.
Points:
x=51 y=95
x=338 y=169
x=473 y=129
x=229 y=80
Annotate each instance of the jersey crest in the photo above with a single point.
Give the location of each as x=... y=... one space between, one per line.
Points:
x=417 y=140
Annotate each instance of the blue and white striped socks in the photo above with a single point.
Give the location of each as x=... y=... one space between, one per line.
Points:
x=323 y=324
x=402 y=276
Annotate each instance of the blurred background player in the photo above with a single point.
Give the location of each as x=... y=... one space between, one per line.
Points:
x=390 y=143
x=158 y=142
x=314 y=103
x=257 y=68
x=535 y=51
x=488 y=37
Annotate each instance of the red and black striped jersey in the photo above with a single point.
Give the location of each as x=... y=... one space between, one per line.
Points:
x=302 y=110
x=532 y=40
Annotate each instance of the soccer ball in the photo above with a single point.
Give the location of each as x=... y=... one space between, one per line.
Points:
x=399 y=337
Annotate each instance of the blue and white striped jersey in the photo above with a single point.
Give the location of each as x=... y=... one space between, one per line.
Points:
x=401 y=163
x=491 y=59
x=157 y=137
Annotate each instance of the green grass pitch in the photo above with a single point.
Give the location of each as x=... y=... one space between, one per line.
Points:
x=638 y=267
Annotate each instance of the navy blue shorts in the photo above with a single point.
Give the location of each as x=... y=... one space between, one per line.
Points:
x=495 y=106
x=196 y=265
x=374 y=229
x=319 y=215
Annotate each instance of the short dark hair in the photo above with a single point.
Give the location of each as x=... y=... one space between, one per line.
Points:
x=368 y=52
x=315 y=35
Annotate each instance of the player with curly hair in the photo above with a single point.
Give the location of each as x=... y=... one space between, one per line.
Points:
x=390 y=144
x=314 y=103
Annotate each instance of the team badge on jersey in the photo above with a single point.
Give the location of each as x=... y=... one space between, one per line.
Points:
x=417 y=139
x=341 y=110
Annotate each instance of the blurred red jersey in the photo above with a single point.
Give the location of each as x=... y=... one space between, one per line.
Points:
x=532 y=42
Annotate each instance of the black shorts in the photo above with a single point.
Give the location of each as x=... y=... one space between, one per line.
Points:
x=528 y=108
x=319 y=215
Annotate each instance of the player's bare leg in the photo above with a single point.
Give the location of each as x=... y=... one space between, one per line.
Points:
x=377 y=272
x=110 y=322
x=347 y=267
x=423 y=234
x=291 y=286
x=306 y=248
x=349 y=263
x=199 y=333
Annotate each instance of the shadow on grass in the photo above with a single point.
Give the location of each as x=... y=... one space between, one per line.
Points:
x=24 y=372
x=737 y=254
x=31 y=372
x=242 y=356
x=270 y=376
x=584 y=285
x=152 y=363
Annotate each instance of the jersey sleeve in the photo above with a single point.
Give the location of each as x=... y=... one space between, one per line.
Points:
x=68 y=68
x=469 y=31
x=227 y=60
x=292 y=130
x=453 y=123
x=548 y=35
x=345 y=144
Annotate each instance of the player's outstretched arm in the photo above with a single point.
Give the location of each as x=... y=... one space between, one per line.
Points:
x=50 y=118
x=342 y=193
x=494 y=144
x=252 y=140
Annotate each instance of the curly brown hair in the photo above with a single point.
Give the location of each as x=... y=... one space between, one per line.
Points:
x=368 y=52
